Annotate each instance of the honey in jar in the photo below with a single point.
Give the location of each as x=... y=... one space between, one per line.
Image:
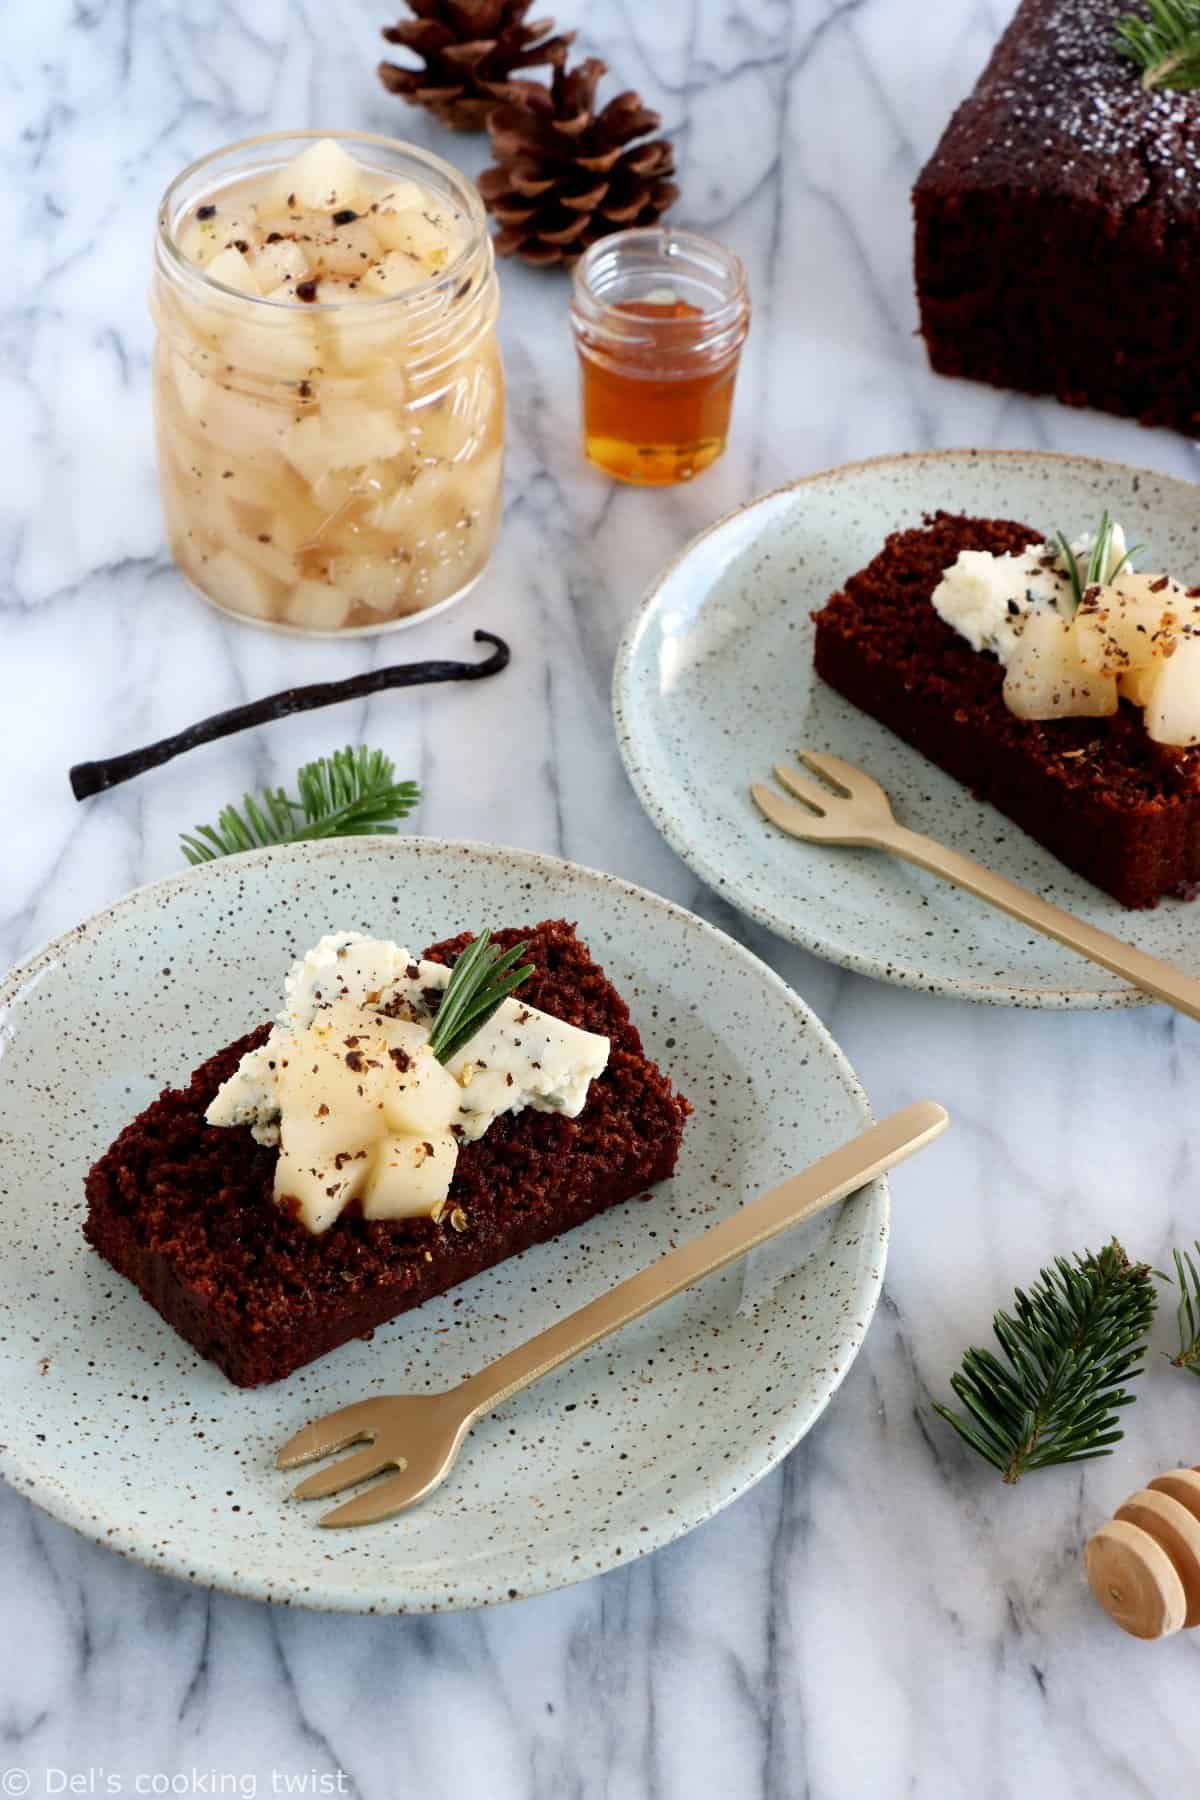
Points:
x=659 y=319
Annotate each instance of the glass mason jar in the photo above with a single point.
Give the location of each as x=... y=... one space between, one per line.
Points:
x=329 y=467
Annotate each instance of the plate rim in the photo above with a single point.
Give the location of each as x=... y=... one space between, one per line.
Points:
x=809 y=936
x=727 y=1483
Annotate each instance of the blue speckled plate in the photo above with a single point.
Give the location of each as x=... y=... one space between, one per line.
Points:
x=715 y=683
x=111 y=1423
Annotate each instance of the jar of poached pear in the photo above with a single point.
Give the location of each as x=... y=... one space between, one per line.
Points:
x=329 y=398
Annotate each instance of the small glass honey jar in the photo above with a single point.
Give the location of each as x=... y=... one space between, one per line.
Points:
x=660 y=317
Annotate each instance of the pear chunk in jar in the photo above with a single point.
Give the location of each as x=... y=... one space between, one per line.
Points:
x=328 y=389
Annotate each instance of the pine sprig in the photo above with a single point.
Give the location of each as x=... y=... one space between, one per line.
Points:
x=1166 y=46
x=1187 y=1312
x=1070 y=1344
x=347 y=794
x=480 y=982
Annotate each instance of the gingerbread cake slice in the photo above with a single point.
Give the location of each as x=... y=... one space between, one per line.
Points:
x=189 y=1211
x=1099 y=792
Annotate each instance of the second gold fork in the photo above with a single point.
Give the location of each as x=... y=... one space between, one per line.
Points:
x=846 y=806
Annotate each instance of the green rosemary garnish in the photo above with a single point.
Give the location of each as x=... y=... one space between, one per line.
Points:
x=1097 y=570
x=1122 y=560
x=1067 y=555
x=1166 y=46
x=480 y=982
x=1100 y=568
x=1076 y=1336
x=347 y=794
x=1188 y=1310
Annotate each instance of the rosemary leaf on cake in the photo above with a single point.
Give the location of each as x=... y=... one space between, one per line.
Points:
x=1099 y=558
x=1166 y=46
x=1072 y=566
x=480 y=982
x=347 y=794
x=1069 y=1345
x=1188 y=1311
x=1101 y=550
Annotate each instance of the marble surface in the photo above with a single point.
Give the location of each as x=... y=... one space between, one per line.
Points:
x=880 y=1616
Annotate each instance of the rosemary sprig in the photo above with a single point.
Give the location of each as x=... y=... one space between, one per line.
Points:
x=481 y=980
x=1166 y=46
x=1188 y=1311
x=344 y=795
x=1070 y=1344
x=1101 y=550
x=1100 y=567
x=1068 y=556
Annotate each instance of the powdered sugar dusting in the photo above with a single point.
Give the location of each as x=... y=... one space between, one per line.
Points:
x=1059 y=103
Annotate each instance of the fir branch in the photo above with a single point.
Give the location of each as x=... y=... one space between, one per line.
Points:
x=1166 y=46
x=480 y=982
x=1070 y=1344
x=1188 y=1311
x=347 y=794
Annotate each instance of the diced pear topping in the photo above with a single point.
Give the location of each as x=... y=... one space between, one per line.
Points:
x=400 y=196
x=366 y=1110
x=193 y=388
x=274 y=264
x=322 y=177
x=201 y=239
x=326 y=217
x=430 y=235
x=348 y=250
x=379 y=582
x=274 y=345
x=231 y=269
x=395 y=273
x=1137 y=685
x=1173 y=708
x=421 y=1096
x=318 y=443
x=236 y=422
x=411 y=1176
x=239 y=585
x=1046 y=680
x=255 y=547
x=278 y=220
x=1126 y=626
x=315 y=606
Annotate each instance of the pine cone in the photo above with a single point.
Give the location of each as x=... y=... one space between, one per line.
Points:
x=562 y=174
x=470 y=50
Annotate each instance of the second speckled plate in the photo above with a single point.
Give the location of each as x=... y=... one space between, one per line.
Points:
x=715 y=683
x=112 y=1423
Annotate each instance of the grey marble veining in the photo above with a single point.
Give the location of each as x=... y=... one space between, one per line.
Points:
x=880 y=1617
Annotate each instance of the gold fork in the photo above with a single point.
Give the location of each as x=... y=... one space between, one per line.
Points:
x=421 y=1434
x=853 y=809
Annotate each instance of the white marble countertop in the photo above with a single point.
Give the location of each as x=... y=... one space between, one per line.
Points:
x=880 y=1616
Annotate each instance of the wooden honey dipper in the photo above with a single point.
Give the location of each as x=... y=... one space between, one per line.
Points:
x=1144 y=1565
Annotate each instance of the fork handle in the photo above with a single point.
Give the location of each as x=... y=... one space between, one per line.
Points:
x=820 y=1186
x=1147 y=972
